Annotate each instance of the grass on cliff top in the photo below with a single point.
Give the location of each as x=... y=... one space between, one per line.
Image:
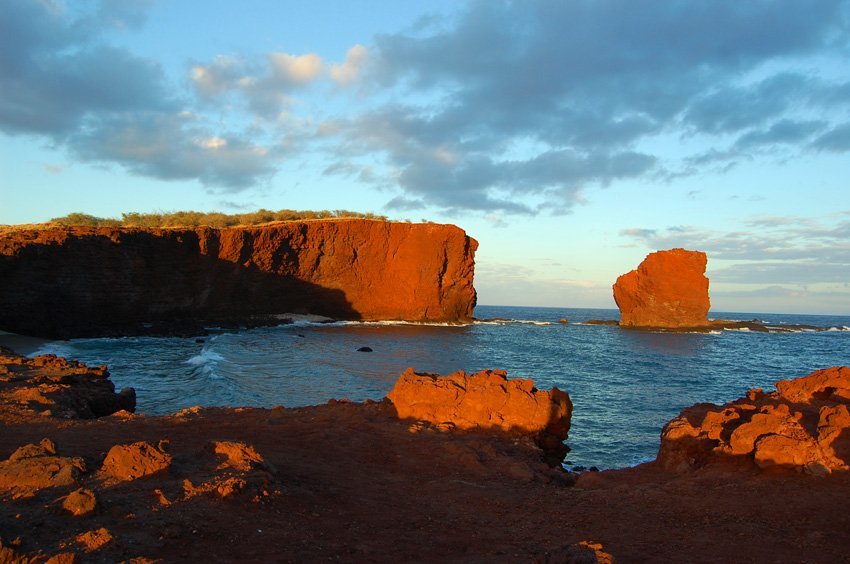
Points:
x=209 y=219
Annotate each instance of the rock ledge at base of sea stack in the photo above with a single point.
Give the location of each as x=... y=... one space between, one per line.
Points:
x=804 y=425
x=86 y=282
x=668 y=290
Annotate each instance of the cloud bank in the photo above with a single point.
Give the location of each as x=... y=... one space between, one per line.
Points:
x=513 y=107
x=769 y=250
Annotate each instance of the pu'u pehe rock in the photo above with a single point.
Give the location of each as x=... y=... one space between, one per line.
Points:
x=485 y=400
x=668 y=290
x=804 y=425
x=72 y=282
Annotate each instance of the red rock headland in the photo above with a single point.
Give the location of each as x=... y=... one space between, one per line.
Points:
x=83 y=281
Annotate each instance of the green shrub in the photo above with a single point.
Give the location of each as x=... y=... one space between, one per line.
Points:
x=210 y=219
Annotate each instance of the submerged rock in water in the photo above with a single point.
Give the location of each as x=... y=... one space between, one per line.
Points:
x=804 y=425
x=667 y=290
x=485 y=400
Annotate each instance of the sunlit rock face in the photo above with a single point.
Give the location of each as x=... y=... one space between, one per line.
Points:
x=668 y=290
x=804 y=425
x=73 y=282
x=486 y=400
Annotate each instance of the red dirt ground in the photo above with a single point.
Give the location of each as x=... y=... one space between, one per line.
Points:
x=349 y=482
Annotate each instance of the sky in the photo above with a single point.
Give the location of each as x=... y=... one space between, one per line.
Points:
x=570 y=138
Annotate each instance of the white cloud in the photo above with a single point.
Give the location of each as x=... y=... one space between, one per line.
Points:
x=350 y=70
x=295 y=69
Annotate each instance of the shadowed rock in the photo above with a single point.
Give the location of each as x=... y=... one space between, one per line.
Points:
x=51 y=385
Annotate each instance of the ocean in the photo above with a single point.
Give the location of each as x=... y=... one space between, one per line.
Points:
x=624 y=384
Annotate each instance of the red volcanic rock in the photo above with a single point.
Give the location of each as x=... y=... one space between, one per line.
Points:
x=35 y=467
x=237 y=455
x=486 y=400
x=51 y=385
x=668 y=290
x=583 y=552
x=805 y=425
x=80 y=502
x=67 y=282
x=95 y=539
x=136 y=460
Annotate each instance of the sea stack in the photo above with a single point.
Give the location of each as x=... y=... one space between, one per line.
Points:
x=668 y=290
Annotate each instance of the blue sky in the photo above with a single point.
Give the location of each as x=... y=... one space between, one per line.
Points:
x=570 y=137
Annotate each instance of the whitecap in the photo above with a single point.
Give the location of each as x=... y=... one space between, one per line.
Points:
x=206 y=357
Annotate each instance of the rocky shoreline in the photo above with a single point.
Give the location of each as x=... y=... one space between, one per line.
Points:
x=355 y=482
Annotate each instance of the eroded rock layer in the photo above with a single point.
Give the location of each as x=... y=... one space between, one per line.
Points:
x=804 y=425
x=668 y=290
x=70 y=282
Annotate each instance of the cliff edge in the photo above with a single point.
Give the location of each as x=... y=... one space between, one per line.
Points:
x=79 y=281
x=668 y=290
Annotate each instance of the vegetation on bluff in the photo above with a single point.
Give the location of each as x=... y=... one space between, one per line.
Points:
x=210 y=219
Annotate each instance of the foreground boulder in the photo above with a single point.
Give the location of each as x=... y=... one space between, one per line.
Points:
x=134 y=461
x=35 y=467
x=80 y=281
x=486 y=400
x=668 y=290
x=804 y=425
x=54 y=386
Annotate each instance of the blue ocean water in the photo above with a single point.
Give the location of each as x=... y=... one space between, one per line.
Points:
x=624 y=384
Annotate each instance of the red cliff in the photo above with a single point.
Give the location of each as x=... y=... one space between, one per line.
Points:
x=68 y=282
x=668 y=290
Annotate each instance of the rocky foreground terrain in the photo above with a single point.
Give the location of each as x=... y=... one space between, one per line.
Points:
x=461 y=476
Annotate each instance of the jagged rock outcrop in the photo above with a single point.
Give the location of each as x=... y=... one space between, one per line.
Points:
x=668 y=290
x=804 y=425
x=53 y=386
x=69 y=282
x=485 y=400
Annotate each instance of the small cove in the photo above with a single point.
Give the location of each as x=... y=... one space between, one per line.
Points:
x=624 y=384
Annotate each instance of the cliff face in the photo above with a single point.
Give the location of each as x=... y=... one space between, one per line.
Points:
x=96 y=281
x=668 y=290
